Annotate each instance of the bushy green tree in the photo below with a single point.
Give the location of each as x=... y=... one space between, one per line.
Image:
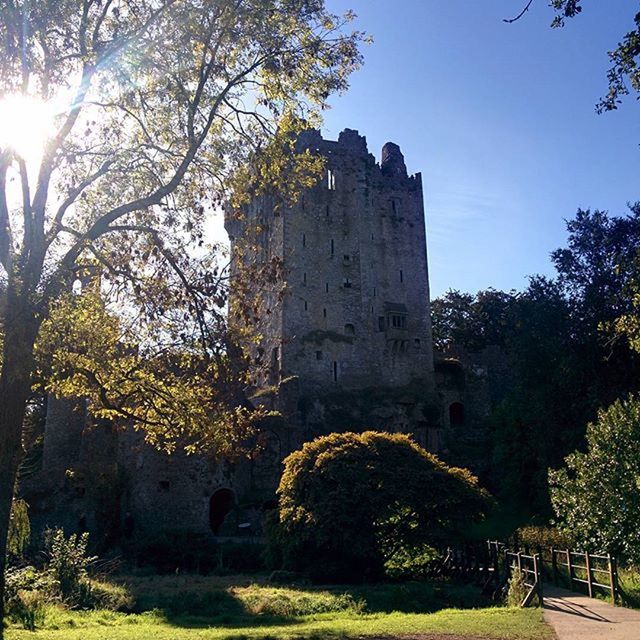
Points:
x=350 y=502
x=157 y=108
x=471 y=321
x=569 y=346
x=596 y=496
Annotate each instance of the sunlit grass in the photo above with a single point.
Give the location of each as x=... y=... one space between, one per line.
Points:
x=198 y=608
x=520 y=624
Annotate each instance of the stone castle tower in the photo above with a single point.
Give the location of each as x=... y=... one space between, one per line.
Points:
x=346 y=345
x=355 y=313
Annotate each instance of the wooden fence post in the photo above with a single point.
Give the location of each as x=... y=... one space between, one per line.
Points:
x=554 y=566
x=570 y=567
x=613 y=577
x=537 y=568
x=587 y=563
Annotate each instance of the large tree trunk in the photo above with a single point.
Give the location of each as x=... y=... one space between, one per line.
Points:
x=21 y=327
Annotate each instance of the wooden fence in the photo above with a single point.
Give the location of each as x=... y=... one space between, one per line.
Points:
x=490 y=565
x=594 y=571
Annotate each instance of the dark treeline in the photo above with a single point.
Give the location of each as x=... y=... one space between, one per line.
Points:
x=565 y=357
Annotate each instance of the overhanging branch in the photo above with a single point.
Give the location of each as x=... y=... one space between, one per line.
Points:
x=512 y=20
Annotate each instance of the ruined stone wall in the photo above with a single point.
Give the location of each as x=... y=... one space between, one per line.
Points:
x=350 y=316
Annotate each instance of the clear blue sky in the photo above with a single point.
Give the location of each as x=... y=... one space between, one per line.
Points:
x=500 y=120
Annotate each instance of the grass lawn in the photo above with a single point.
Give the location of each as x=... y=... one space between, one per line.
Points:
x=198 y=608
x=522 y=624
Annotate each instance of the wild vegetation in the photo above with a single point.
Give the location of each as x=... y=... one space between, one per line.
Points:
x=353 y=504
x=219 y=608
x=566 y=351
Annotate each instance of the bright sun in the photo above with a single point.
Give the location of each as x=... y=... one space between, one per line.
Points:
x=26 y=123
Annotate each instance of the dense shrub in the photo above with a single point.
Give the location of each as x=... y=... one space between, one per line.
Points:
x=544 y=538
x=26 y=592
x=351 y=502
x=596 y=497
x=516 y=588
x=68 y=563
x=413 y=563
x=28 y=608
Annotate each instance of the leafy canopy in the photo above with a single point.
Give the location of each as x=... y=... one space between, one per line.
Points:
x=596 y=496
x=624 y=74
x=164 y=109
x=351 y=502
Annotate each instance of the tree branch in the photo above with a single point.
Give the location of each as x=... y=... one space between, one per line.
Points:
x=512 y=20
x=6 y=238
x=102 y=224
x=72 y=197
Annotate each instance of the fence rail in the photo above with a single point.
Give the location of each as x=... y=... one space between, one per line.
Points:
x=491 y=564
x=531 y=568
x=588 y=570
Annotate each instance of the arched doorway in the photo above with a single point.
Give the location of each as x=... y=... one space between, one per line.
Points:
x=220 y=504
x=456 y=414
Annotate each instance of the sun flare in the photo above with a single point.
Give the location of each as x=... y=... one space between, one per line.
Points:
x=26 y=123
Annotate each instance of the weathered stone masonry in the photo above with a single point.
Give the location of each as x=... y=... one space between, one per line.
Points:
x=346 y=345
x=356 y=309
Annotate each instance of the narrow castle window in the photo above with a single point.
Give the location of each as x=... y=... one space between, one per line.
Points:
x=346 y=257
x=374 y=292
x=331 y=180
x=318 y=355
x=327 y=210
x=304 y=278
x=326 y=287
x=381 y=323
x=324 y=313
x=306 y=306
x=347 y=283
x=456 y=414
x=304 y=240
x=349 y=329
x=401 y=276
x=335 y=371
x=333 y=247
x=416 y=343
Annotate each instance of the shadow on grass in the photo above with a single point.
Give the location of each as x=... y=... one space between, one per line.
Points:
x=265 y=606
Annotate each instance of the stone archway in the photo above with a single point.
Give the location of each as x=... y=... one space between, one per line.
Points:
x=220 y=504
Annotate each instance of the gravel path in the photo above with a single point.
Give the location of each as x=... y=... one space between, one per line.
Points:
x=576 y=617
